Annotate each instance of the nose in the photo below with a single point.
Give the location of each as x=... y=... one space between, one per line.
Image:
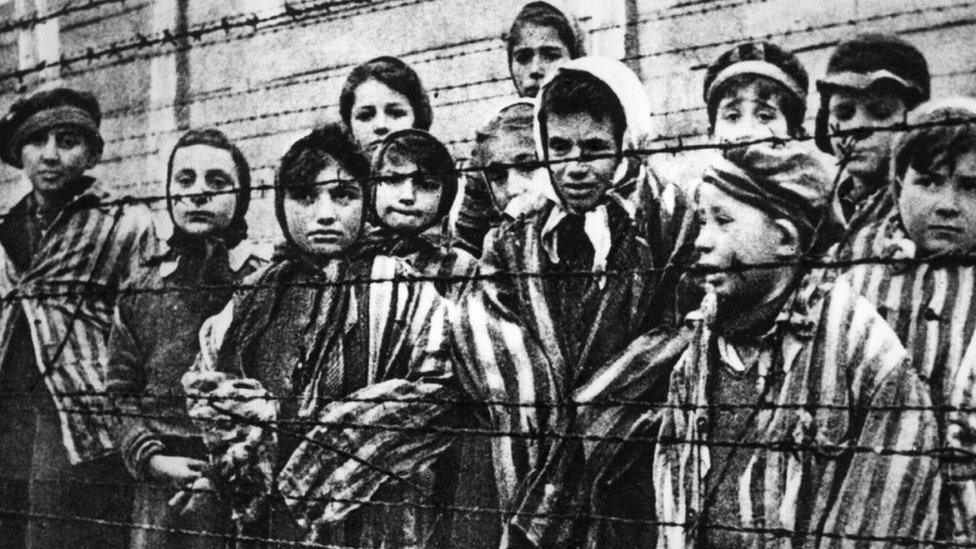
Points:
x=50 y=149
x=536 y=67
x=948 y=202
x=406 y=194
x=381 y=125
x=198 y=195
x=705 y=241
x=325 y=213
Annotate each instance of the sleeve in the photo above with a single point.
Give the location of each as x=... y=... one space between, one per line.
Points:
x=126 y=380
x=475 y=218
x=603 y=472
x=889 y=485
x=139 y=240
x=386 y=434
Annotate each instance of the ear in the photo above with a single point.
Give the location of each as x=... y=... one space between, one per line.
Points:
x=789 y=239
x=94 y=157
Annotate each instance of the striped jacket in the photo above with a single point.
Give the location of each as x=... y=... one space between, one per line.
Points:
x=837 y=461
x=932 y=309
x=355 y=366
x=67 y=294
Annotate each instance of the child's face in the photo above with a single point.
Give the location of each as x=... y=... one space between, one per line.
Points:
x=581 y=183
x=56 y=158
x=324 y=219
x=537 y=53
x=939 y=208
x=378 y=110
x=197 y=171
x=405 y=199
x=510 y=168
x=746 y=114
x=872 y=108
x=733 y=233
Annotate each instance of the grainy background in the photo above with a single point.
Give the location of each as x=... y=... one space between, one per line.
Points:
x=268 y=81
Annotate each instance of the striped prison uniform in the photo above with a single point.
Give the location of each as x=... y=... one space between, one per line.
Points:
x=932 y=309
x=82 y=260
x=516 y=362
x=834 y=445
x=327 y=343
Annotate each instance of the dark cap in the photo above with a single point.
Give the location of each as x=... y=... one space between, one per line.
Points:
x=760 y=59
x=867 y=59
x=45 y=110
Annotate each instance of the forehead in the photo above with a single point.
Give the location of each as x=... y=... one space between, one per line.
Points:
x=582 y=124
x=394 y=161
x=333 y=175
x=759 y=90
x=531 y=35
x=871 y=94
x=374 y=92
x=510 y=143
x=203 y=157
x=710 y=197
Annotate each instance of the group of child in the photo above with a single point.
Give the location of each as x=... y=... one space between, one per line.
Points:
x=552 y=346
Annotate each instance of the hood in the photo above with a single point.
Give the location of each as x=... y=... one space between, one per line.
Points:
x=632 y=96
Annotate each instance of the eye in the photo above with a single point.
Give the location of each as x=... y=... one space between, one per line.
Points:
x=926 y=181
x=967 y=184
x=344 y=195
x=559 y=146
x=722 y=220
x=396 y=112
x=596 y=147
x=881 y=110
x=365 y=115
x=523 y=56
x=426 y=183
x=766 y=116
x=731 y=116
x=843 y=112
x=305 y=194
x=552 y=54
x=69 y=140
x=184 y=180
x=37 y=140
x=495 y=173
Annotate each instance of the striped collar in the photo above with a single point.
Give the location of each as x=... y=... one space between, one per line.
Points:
x=93 y=189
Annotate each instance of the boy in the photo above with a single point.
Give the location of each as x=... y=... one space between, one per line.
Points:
x=872 y=81
x=322 y=331
x=154 y=339
x=756 y=90
x=792 y=416
x=69 y=243
x=931 y=305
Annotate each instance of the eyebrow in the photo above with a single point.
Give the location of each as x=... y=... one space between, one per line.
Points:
x=216 y=172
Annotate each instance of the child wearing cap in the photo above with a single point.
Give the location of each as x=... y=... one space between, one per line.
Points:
x=154 y=340
x=931 y=305
x=67 y=240
x=756 y=90
x=313 y=331
x=872 y=81
x=414 y=186
x=793 y=416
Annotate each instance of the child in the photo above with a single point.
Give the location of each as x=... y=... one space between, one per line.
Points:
x=70 y=242
x=754 y=91
x=414 y=187
x=931 y=306
x=792 y=415
x=154 y=338
x=872 y=81
x=316 y=334
x=508 y=181
x=543 y=37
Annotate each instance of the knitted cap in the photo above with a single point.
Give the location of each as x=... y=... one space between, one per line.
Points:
x=784 y=181
x=760 y=59
x=45 y=110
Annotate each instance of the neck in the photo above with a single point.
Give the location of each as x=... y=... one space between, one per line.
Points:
x=865 y=185
x=745 y=320
x=51 y=201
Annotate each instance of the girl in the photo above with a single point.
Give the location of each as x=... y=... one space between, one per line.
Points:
x=154 y=338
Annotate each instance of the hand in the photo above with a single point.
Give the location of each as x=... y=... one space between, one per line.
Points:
x=176 y=470
x=198 y=504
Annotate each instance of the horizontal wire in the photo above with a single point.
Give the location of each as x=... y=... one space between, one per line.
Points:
x=638 y=153
x=36 y=18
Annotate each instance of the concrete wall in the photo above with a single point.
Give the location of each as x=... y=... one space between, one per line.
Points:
x=268 y=84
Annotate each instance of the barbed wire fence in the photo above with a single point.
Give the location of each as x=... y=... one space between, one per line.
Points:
x=243 y=26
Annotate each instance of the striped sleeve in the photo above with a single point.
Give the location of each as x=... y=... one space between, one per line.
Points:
x=892 y=491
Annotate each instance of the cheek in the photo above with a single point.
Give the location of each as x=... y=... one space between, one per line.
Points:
x=296 y=218
x=352 y=216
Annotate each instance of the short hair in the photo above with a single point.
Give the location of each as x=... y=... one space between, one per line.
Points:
x=311 y=154
x=212 y=137
x=792 y=107
x=431 y=158
x=573 y=92
x=543 y=15
x=517 y=117
x=933 y=144
x=394 y=74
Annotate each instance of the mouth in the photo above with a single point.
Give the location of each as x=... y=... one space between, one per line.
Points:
x=406 y=213
x=579 y=190
x=49 y=174
x=200 y=215
x=532 y=90
x=950 y=229
x=324 y=237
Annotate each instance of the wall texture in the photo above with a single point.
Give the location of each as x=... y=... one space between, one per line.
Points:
x=266 y=71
